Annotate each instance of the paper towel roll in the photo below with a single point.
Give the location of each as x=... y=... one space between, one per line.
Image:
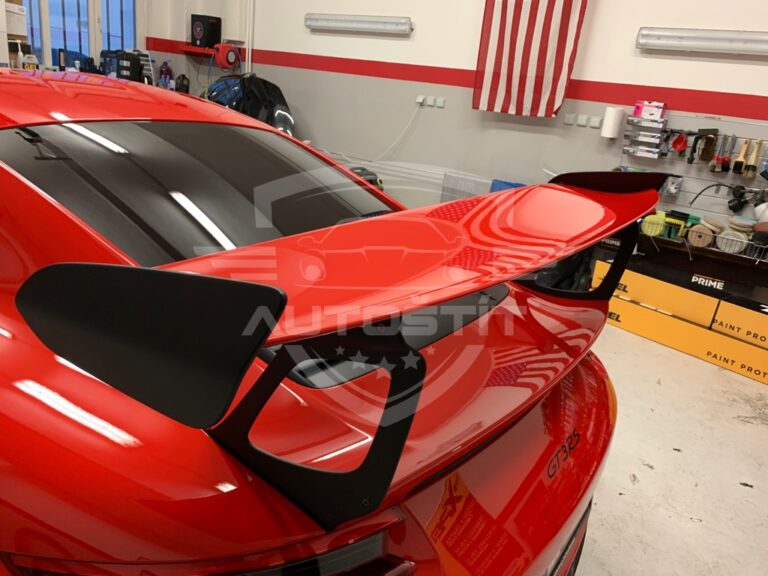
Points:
x=613 y=122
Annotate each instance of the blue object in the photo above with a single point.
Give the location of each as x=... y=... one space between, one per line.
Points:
x=499 y=185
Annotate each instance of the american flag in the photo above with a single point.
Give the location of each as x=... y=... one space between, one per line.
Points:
x=527 y=52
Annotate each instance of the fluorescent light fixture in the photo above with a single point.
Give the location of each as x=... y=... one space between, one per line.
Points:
x=396 y=25
x=90 y=134
x=738 y=42
x=202 y=219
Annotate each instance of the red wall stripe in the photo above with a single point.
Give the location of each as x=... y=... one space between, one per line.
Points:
x=681 y=99
x=165 y=45
x=392 y=70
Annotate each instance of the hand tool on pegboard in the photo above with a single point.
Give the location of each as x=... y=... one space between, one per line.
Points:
x=729 y=154
x=708 y=148
x=680 y=143
x=751 y=170
x=703 y=133
x=738 y=165
x=716 y=165
x=694 y=146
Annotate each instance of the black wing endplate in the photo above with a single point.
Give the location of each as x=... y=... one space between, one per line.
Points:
x=170 y=340
x=179 y=344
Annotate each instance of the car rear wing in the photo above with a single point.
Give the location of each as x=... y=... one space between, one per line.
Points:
x=182 y=342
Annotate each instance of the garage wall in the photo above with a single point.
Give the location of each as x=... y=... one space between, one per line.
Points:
x=170 y=19
x=447 y=34
x=346 y=101
x=608 y=51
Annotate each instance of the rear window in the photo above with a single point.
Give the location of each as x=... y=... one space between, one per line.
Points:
x=168 y=191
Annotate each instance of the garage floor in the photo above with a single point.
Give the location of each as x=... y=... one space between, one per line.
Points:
x=685 y=490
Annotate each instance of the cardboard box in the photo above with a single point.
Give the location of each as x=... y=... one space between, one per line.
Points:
x=713 y=347
x=723 y=333
x=750 y=326
x=668 y=298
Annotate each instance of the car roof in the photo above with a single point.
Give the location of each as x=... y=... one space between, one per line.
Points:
x=42 y=97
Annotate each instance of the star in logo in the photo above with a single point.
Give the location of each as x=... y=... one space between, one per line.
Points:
x=340 y=351
x=411 y=361
x=387 y=365
x=358 y=360
x=431 y=351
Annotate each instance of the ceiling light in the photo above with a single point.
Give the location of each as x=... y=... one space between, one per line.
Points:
x=203 y=219
x=90 y=134
x=712 y=41
x=396 y=25
x=66 y=408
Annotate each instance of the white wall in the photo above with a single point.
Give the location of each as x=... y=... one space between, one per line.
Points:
x=361 y=116
x=607 y=52
x=446 y=32
x=447 y=35
x=170 y=19
x=4 y=56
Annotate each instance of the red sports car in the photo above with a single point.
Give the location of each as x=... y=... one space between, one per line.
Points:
x=223 y=353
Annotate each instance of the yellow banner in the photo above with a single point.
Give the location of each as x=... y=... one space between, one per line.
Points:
x=666 y=297
x=742 y=323
x=719 y=349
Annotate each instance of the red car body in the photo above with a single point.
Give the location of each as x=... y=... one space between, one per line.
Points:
x=499 y=467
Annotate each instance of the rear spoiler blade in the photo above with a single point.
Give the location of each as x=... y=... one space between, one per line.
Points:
x=371 y=270
x=155 y=335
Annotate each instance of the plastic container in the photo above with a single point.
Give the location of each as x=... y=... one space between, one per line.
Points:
x=165 y=75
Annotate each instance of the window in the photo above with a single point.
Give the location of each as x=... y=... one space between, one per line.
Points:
x=118 y=24
x=167 y=191
x=69 y=30
x=33 y=27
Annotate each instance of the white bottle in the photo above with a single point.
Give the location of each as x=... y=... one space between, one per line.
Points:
x=19 y=55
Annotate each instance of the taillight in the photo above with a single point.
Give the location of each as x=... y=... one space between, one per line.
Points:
x=367 y=557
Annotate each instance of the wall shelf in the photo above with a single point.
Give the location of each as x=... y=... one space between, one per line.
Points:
x=191 y=50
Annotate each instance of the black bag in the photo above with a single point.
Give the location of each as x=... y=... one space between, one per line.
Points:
x=255 y=97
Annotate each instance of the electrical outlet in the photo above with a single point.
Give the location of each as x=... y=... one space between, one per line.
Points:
x=440 y=102
x=569 y=120
x=431 y=101
x=582 y=120
x=595 y=121
x=420 y=99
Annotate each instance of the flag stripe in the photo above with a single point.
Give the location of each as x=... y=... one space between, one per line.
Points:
x=541 y=64
x=493 y=38
x=527 y=54
x=514 y=57
x=554 y=35
x=569 y=54
x=562 y=40
x=577 y=37
x=501 y=55
x=527 y=49
x=533 y=70
x=504 y=77
x=482 y=57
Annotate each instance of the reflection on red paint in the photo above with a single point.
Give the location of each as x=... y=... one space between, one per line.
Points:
x=469 y=540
